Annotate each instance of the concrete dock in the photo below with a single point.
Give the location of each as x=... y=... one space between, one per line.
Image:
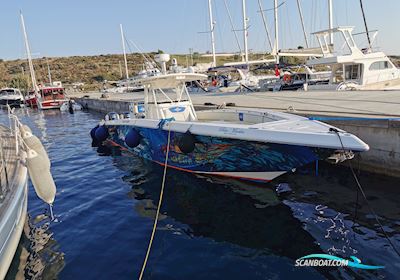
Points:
x=374 y=116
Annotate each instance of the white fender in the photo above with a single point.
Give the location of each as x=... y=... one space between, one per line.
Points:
x=24 y=128
x=34 y=143
x=39 y=173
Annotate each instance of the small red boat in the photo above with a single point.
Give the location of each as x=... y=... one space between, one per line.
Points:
x=30 y=99
x=47 y=98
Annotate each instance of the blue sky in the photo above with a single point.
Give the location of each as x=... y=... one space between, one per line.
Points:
x=88 y=27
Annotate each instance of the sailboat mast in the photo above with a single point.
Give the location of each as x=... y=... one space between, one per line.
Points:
x=28 y=52
x=212 y=24
x=124 y=51
x=232 y=26
x=49 y=72
x=276 y=47
x=302 y=22
x=330 y=11
x=265 y=24
x=246 y=51
x=365 y=24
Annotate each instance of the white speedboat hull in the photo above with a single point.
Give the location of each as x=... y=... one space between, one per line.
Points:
x=238 y=148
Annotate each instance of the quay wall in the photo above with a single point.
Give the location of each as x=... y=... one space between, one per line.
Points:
x=383 y=136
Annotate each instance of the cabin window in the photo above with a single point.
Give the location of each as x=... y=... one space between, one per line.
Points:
x=380 y=65
x=337 y=74
x=6 y=91
x=352 y=72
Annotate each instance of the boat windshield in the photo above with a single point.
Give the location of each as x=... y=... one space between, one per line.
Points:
x=169 y=95
x=51 y=91
x=6 y=91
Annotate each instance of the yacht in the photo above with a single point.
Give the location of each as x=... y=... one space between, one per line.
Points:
x=355 y=69
x=130 y=85
x=12 y=97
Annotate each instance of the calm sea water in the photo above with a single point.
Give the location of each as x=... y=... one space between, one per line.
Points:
x=209 y=229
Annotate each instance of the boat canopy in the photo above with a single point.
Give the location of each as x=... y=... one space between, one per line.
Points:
x=170 y=80
x=314 y=52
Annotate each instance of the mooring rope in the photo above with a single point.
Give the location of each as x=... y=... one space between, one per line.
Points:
x=159 y=205
x=365 y=197
x=314 y=118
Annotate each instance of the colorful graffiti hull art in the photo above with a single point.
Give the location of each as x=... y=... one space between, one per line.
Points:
x=216 y=154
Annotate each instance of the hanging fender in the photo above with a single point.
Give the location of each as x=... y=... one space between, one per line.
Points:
x=132 y=138
x=186 y=142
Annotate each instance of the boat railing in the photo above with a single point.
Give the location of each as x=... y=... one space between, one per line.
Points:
x=4 y=176
x=17 y=142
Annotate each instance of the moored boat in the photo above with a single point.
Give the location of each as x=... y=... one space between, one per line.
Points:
x=355 y=69
x=250 y=144
x=31 y=99
x=22 y=156
x=51 y=98
x=70 y=106
x=48 y=97
x=12 y=97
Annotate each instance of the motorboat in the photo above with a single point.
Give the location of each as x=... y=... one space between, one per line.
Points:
x=353 y=68
x=12 y=97
x=70 y=105
x=130 y=85
x=251 y=144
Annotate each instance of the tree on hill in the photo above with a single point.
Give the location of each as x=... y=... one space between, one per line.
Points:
x=19 y=81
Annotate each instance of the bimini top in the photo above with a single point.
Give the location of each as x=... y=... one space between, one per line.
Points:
x=334 y=30
x=170 y=80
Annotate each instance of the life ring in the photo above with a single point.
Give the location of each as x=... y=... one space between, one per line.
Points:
x=287 y=78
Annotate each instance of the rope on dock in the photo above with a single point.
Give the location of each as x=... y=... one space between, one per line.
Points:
x=159 y=205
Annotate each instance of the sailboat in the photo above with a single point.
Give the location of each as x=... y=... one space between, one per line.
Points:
x=51 y=97
x=249 y=144
x=128 y=84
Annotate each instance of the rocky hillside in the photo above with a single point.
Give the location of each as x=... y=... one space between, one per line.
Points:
x=90 y=70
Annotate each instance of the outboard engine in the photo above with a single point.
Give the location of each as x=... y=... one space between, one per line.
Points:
x=127 y=115
x=112 y=116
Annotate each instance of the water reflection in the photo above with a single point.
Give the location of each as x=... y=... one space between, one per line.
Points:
x=224 y=210
x=339 y=219
x=308 y=215
x=38 y=254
